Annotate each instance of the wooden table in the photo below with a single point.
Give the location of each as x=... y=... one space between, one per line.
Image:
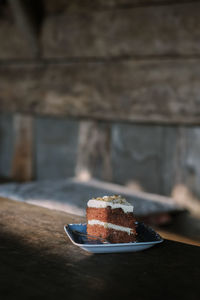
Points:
x=38 y=260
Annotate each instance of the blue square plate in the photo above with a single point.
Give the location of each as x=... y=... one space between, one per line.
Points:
x=146 y=238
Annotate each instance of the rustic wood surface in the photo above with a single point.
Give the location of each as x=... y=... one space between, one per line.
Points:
x=52 y=6
x=25 y=25
x=94 y=155
x=13 y=43
x=101 y=29
x=171 y=30
x=105 y=61
x=38 y=260
x=140 y=91
x=22 y=163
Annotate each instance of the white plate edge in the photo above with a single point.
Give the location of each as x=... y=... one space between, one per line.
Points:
x=111 y=245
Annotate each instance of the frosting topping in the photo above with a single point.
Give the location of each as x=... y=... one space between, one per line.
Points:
x=115 y=201
x=111 y=226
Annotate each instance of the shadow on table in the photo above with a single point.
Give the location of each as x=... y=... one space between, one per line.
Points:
x=170 y=270
x=185 y=226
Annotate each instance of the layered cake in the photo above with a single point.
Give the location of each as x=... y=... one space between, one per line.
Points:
x=111 y=218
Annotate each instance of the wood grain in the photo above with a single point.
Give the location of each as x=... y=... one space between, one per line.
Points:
x=25 y=25
x=94 y=155
x=52 y=6
x=22 y=163
x=150 y=92
x=167 y=30
x=38 y=260
x=13 y=44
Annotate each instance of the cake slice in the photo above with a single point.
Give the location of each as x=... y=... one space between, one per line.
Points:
x=111 y=218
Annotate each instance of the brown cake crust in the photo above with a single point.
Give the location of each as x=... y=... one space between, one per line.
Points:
x=111 y=235
x=115 y=216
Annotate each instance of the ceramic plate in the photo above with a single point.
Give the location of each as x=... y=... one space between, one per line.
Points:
x=146 y=238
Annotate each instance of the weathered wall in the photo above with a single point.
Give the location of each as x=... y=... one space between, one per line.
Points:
x=6 y=145
x=137 y=31
x=114 y=60
x=56 y=146
x=133 y=67
x=150 y=91
x=152 y=158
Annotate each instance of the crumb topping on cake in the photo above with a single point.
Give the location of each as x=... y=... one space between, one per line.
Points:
x=115 y=201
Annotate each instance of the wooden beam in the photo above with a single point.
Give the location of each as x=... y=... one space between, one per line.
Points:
x=13 y=44
x=22 y=164
x=94 y=155
x=165 y=92
x=25 y=24
x=52 y=6
x=167 y=30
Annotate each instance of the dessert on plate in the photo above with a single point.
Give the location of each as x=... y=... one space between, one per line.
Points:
x=111 y=218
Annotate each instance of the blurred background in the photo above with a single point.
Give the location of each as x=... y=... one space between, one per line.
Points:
x=106 y=90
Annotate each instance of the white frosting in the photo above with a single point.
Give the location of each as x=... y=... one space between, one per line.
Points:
x=126 y=207
x=111 y=226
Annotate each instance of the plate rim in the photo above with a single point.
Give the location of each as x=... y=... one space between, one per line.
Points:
x=110 y=245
